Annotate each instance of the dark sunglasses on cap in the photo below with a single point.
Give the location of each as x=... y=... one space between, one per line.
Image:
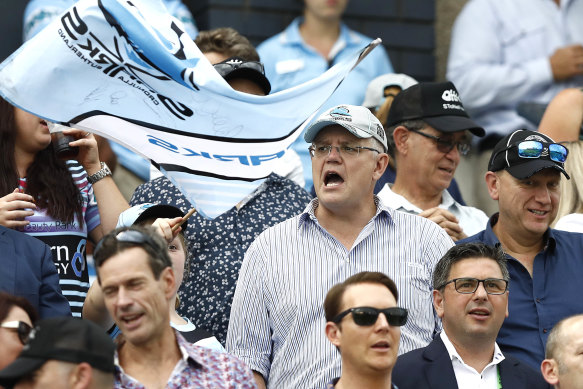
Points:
x=367 y=316
x=130 y=236
x=225 y=68
x=20 y=327
x=536 y=149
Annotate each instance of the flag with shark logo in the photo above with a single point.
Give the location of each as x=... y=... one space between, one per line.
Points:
x=126 y=70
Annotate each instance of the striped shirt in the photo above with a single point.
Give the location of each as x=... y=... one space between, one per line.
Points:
x=277 y=319
x=68 y=240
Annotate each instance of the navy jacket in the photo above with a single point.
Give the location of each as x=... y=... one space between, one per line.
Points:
x=27 y=270
x=430 y=367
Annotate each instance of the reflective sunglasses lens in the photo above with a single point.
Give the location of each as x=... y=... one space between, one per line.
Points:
x=364 y=317
x=530 y=149
x=558 y=153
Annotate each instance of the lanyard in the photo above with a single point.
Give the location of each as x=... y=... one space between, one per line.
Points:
x=499 y=378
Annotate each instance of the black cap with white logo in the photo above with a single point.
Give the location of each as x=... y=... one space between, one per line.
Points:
x=436 y=103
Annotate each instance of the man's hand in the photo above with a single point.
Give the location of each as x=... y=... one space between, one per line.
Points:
x=14 y=208
x=567 y=62
x=445 y=220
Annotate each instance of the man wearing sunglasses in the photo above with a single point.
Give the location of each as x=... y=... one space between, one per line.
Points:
x=363 y=323
x=135 y=273
x=63 y=353
x=276 y=319
x=471 y=297
x=545 y=264
x=428 y=131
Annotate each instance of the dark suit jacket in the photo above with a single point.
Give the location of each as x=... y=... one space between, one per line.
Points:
x=27 y=270
x=430 y=367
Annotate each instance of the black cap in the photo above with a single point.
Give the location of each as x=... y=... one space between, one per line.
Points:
x=67 y=339
x=236 y=67
x=505 y=155
x=436 y=103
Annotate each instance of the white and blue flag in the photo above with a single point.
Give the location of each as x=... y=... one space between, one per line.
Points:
x=126 y=70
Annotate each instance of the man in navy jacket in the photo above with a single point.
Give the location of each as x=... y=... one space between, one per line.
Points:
x=27 y=270
x=470 y=296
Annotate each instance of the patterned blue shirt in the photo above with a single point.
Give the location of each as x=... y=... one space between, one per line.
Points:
x=277 y=319
x=217 y=246
x=537 y=303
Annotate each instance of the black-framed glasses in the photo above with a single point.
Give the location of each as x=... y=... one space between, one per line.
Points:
x=322 y=151
x=20 y=327
x=226 y=67
x=535 y=149
x=445 y=145
x=130 y=236
x=367 y=316
x=469 y=285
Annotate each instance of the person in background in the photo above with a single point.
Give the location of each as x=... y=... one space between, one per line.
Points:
x=135 y=273
x=563 y=364
x=363 y=319
x=163 y=218
x=54 y=199
x=470 y=296
x=524 y=175
x=428 y=132
x=312 y=44
x=63 y=353
x=17 y=318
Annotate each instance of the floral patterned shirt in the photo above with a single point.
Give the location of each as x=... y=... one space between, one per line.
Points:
x=199 y=368
x=217 y=246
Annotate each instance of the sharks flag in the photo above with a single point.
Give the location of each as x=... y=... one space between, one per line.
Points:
x=126 y=70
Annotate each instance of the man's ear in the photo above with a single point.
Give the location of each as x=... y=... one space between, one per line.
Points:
x=167 y=276
x=333 y=333
x=493 y=184
x=400 y=137
x=81 y=376
x=382 y=162
x=550 y=370
x=438 y=303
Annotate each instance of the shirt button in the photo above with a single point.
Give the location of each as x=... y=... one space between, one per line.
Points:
x=545 y=330
x=538 y=301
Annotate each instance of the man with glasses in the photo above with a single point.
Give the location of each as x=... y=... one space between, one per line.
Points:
x=363 y=323
x=63 y=353
x=276 y=319
x=428 y=131
x=545 y=264
x=136 y=276
x=471 y=297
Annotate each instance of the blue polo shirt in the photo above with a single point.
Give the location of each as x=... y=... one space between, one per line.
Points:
x=537 y=303
x=289 y=61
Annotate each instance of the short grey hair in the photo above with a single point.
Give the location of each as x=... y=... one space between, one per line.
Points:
x=411 y=125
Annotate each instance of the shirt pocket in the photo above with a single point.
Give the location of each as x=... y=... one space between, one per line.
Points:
x=524 y=40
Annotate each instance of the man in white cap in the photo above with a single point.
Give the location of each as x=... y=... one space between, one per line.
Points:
x=277 y=318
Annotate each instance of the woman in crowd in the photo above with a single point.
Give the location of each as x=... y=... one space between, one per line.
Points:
x=17 y=318
x=55 y=200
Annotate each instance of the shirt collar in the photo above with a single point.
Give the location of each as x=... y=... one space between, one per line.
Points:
x=398 y=201
x=453 y=354
x=291 y=35
x=309 y=213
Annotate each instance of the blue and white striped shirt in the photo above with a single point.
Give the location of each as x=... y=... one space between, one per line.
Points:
x=277 y=318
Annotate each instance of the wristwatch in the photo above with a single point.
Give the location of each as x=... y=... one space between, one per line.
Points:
x=100 y=174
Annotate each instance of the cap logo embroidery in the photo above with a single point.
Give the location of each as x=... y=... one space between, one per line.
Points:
x=234 y=61
x=450 y=95
x=341 y=113
x=380 y=131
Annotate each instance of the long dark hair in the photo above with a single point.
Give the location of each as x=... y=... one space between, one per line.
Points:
x=48 y=179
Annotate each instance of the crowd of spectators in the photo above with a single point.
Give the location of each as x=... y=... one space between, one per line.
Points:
x=383 y=276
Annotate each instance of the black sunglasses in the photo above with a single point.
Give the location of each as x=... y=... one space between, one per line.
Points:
x=130 y=236
x=225 y=68
x=20 y=327
x=367 y=316
x=445 y=145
